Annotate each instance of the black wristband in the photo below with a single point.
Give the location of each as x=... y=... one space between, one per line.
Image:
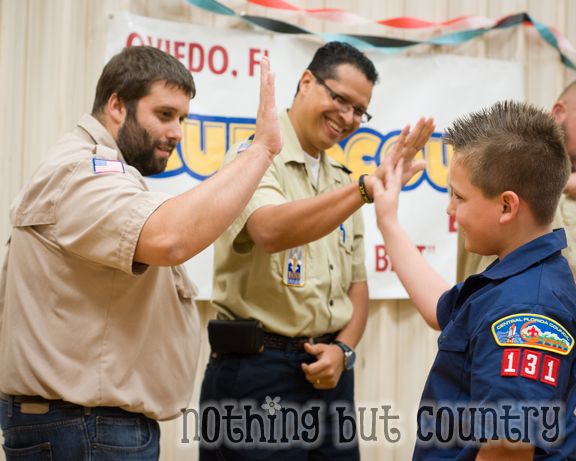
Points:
x=363 y=192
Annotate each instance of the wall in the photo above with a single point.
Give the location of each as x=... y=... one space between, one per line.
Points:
x=52 y=52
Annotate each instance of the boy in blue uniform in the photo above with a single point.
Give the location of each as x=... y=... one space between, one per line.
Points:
x=500 y=384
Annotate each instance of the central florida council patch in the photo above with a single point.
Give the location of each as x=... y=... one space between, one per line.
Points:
x=534 y=331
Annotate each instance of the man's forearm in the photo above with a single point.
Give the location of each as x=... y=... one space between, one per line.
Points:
x=186 y=224
x=278 y=227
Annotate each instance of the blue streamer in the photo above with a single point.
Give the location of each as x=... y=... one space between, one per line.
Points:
x=388 y=44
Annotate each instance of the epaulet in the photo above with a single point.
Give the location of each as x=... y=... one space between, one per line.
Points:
x=342 y=167
x=107 y=153
x=337 y=164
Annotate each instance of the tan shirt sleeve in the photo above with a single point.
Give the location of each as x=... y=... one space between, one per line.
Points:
x=566 y=218
x=268 y=192
x=99 y=217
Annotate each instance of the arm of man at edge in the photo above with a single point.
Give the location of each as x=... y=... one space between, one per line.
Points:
x=186 y=224
x=279 y=227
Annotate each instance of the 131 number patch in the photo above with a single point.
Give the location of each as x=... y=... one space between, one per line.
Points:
x=530 y=364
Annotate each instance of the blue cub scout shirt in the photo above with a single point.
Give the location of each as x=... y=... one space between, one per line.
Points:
x=505 y=362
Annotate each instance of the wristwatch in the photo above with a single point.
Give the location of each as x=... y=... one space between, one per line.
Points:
x=349 y=354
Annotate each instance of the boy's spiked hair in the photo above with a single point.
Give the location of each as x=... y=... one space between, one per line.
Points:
x=513 y=146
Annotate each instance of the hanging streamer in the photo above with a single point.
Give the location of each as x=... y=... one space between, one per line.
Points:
x=338 y=15
x=389 y=44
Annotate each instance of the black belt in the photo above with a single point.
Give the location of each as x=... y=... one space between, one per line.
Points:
x=28 y=399
x=274 y=341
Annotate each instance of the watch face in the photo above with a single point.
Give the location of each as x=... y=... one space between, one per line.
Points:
x=349 y=359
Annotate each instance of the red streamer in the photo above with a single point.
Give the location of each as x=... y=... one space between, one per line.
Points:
x=403 y=22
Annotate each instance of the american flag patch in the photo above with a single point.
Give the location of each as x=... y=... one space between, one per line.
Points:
x=107 y=166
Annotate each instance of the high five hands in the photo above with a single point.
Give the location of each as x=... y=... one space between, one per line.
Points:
x=409 y=143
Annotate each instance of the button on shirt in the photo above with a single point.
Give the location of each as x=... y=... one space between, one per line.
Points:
x=472 y=369
x=300 y=291
x=79 y=320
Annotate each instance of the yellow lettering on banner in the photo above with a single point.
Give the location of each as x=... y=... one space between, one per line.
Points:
x=203 y=162
x=190 y=139
x=214 y=147
x=438 y=156
x=174 y=162
x=358 y=146
x=337 y=154
x=358 y=153
x=240 y=131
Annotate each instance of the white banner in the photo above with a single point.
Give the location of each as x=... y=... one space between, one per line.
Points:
x=224 y=63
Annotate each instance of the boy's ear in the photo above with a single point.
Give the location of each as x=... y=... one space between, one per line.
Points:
x=510 y=204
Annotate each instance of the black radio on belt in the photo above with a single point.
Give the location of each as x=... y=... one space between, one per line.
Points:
x=244 y=336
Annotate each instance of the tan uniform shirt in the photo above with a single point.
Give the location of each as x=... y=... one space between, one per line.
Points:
x=79 y=320
x=301 y=291
x=567 y=211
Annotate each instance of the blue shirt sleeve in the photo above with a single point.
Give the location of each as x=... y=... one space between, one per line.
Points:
x=445 y=306
x=523 y=377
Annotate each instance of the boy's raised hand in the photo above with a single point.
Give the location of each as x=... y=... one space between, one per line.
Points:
x=267 y=135
x=422 y=282
x=409 y=143
x=386 y=195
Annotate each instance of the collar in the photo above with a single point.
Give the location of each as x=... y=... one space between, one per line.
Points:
x=292 y=150
x=527 y=255
x=89 y=125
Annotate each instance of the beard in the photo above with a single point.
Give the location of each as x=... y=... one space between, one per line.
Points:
x=137 y=147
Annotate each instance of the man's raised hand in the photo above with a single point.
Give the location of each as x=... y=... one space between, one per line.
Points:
x=267 y=136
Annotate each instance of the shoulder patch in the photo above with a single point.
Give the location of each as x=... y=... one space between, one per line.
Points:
x=534 y=331
x=101 y=165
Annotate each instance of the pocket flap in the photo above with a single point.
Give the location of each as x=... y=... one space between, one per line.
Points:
x=452 y=343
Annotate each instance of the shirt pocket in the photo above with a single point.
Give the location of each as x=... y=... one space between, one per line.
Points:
x=186 y=290
x=453 y=364
x=345 y=250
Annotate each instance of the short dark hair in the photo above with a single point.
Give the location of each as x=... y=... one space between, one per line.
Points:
x=513 y=146
x=131 y=73
x=333 y=54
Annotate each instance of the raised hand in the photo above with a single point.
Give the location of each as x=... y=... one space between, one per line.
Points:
x=409 y=143
x=267 y=134
x=387 y=195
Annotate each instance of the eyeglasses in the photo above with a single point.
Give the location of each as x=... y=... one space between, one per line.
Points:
x=343 y=104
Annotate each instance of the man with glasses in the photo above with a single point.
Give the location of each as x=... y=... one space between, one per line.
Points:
x=293 y=263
